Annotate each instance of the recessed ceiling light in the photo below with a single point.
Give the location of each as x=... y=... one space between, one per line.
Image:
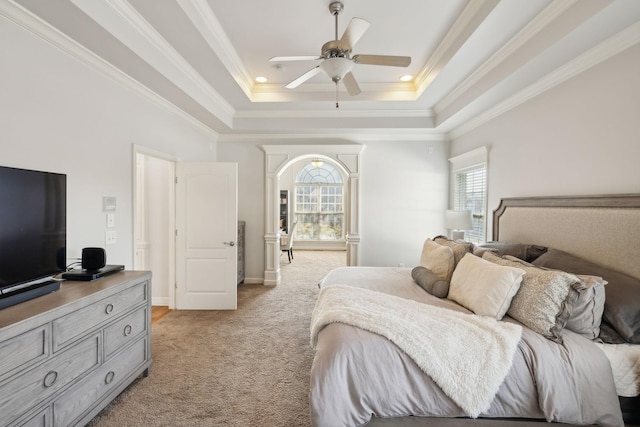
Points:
x=406 y=78
x=261 y=79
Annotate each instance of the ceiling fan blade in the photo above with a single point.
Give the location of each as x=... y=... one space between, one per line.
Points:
x=352 y=34
x=351 y=84
x=303 y=78
x=294 y=58
x=393 y=61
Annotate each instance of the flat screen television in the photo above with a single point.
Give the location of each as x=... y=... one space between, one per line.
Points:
x=33 y=232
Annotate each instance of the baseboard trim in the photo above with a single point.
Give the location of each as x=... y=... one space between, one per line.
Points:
x=253 y=281
x=159 y=300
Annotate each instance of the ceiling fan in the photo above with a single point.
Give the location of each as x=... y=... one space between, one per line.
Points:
x=336 y=58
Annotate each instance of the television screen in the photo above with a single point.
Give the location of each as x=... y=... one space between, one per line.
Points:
x=33 y=218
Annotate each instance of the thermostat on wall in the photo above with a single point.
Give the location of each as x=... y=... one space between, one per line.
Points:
x=108 y=203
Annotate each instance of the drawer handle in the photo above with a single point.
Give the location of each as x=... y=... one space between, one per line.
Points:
x=109 y=308
x=50 y=378
x=127 y=330
x=109 y=377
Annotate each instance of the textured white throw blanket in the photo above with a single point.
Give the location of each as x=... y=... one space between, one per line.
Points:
x=468 y=356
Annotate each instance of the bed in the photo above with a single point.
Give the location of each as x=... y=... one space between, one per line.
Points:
x=391 y=352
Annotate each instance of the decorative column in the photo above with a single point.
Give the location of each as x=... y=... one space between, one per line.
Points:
x=351 y=161
x=273 y=164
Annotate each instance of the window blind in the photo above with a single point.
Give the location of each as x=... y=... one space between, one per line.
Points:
x=469 y=172
x=470 y=194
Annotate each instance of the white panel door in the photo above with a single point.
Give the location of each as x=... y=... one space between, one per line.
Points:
x=206 y=236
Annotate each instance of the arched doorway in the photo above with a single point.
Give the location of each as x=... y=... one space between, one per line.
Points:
x=316 y=193
x=277 y=159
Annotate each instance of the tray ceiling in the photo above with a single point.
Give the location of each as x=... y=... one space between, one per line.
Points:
x=471 y=59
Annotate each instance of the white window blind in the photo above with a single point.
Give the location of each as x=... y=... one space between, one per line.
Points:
x=470 y=190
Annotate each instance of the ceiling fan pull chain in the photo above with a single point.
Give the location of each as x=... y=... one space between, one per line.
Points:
x=337 y=105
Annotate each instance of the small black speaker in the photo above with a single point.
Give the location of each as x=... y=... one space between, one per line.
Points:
x=93 y=258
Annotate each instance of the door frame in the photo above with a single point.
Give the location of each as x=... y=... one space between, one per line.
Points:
x=280 y=157
x=171 y=227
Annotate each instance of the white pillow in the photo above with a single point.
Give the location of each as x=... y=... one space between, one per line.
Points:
x=484 y=287
x=438 y=259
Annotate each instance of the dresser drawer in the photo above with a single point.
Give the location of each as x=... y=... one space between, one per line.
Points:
x=91 y=389
x=23 y=350
x=32 y=387
x=124 y=330
x=41 y=419
x=73 y=325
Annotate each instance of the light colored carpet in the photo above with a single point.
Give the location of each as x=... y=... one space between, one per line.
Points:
x=248 y=367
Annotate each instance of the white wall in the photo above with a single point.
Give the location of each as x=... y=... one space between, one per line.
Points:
x=403 y=197
x=404 y=192
x=581 y=137
x=57 y=114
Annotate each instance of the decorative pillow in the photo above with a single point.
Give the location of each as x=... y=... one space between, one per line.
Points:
x=586 y=313
x=544 y=299
x=437 y=258
x=622 y=302
x=609 y=335
x=459 y=247
x=523 y=251
x=484 y=287
x=430 y=282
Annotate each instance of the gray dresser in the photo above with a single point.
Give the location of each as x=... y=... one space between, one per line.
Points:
x=66 y=355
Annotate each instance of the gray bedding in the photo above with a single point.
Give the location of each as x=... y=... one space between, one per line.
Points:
x=357 y=374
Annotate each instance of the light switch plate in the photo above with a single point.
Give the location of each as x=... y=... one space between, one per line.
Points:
x=110 y=237
x=111 y=220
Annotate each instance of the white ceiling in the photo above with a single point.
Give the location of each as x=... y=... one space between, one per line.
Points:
x=471 y=59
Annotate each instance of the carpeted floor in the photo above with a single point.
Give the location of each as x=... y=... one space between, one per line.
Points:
x=248 y=367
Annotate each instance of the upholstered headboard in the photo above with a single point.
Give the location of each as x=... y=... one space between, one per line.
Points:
x=604 y=229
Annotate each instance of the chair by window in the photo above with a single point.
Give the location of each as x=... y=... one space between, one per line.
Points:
x=288 y=244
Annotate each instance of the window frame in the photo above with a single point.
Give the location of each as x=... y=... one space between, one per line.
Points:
x=340 y=195
x=462 y=166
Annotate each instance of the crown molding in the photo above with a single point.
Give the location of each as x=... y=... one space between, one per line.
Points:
x=21 y=17
x=393 y=91
x=124 y=22
x=305 y=114
x=467 y=22
x=205 y=21
x=360 y=135
x=600 y=53
x=541 y=21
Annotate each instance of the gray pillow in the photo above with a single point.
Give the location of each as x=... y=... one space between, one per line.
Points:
x=459 y=247
x=543 y=302
x=430 y=282
x=622 y=293
x=586 y=312
x=523 y=251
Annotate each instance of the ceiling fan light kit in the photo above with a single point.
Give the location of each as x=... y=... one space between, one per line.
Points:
x=336 y=68
x=336 y=58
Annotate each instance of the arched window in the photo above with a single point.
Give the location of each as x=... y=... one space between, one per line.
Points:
x=319 y=202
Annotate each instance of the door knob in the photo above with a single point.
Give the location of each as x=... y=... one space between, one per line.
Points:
x=230 y=243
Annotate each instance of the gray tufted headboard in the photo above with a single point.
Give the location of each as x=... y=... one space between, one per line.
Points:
x=604 y=229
